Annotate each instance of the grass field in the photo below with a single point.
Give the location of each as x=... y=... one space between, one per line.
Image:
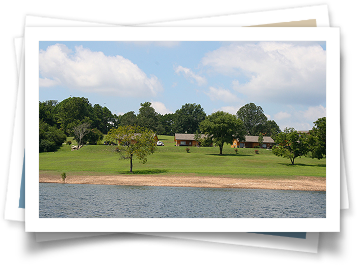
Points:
x=174 y=160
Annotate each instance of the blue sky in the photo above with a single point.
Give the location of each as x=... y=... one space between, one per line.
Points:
x=287 y=79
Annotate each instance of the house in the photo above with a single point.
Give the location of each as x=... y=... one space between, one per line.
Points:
x=186 y=139
x=252 y=142
x=303 y=132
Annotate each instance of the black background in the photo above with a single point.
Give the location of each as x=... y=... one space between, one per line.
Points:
x=139 y=248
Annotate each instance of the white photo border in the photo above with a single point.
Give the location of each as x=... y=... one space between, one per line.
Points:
x=33 y=35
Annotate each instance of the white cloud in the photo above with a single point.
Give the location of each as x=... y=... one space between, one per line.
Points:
x=274 y=71
x=167 y=44
x=188 y=74
x=314 y=113
x=90 y=71
x=230 y=109
x=160 y=107
x=45 y=82
x=221 y=94
x=268 y=116
x=300 y=119
x=282 y=115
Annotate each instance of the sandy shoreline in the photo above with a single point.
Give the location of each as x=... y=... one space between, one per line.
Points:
x=298 y=183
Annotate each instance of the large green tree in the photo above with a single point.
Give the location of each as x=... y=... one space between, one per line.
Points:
x=253 y=118
x=72 y=112
x=317 y=139
x=168 y=121
x=148 y=117
x=188 y=118
x=102 y=118
x=133 y=141
x=291 y=144
x=47 y=112
x=128 y=119
x=223 y=128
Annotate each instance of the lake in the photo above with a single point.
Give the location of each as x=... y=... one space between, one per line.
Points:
x=110 y=201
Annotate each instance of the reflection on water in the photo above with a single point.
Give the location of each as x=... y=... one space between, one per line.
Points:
x=110 y=201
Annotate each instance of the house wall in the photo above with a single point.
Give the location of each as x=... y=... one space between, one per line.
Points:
x=186 y=143
x=236 y=144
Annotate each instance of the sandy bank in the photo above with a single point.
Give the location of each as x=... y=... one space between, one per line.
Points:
x=298 y=183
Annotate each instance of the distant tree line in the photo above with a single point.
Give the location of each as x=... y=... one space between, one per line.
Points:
x=87 y=123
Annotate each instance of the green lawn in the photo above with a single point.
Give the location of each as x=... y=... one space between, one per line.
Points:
x=174 y=160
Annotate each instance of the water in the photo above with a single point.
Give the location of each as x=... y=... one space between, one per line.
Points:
x=109 y=201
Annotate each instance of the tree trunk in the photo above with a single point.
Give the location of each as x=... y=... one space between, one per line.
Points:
x=131 y=163
x=220 y=150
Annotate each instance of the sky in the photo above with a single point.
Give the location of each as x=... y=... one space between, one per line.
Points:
x=287 y=79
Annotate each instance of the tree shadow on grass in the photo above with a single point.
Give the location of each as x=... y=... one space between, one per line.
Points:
x=144 y=172
x=302 y=164
x=228 y=155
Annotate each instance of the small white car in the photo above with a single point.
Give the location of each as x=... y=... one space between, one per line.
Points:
x=159 y=143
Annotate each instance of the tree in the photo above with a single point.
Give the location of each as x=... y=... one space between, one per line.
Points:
x=80 y=131
x=253 y=118
x=72 y=112
x=290 y=144
x=260 y=139
x=102 y=118
x=222 y=128
x=148 y=117
x=93 y=136
x=50 y=138
x=134 y=141
x=272 y=128
x=198 y=137
x=128 y=118
x=188 y=118
x=167 y=122
x=47 y=112
x=317 y=139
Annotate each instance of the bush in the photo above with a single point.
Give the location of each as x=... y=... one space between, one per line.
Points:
x=50 y=138
x=63 y=175
x=93 y=136
x=47 y=146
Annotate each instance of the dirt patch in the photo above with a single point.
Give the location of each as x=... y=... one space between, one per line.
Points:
x=298 y=183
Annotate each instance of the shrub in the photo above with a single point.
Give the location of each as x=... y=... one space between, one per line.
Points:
x=63 y=175
x=93 y=136
x=47 y=146
x=50 y=138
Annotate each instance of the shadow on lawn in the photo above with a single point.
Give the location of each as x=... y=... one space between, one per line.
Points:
x=303 y=165
x=144 y=172
x=228 y=155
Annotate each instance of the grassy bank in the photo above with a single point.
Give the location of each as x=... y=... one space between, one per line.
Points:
x=174 y=160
